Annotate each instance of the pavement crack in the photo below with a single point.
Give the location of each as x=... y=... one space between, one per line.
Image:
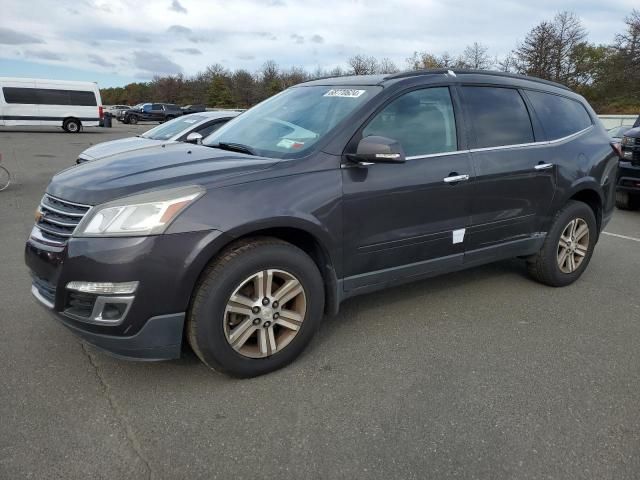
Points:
x=117 y=411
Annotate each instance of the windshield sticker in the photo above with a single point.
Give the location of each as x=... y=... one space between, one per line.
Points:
x=286 y=143
x=344 y=92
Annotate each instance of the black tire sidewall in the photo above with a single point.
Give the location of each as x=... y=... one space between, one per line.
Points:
x=212 y=297
x=133 y=120
x=66 y=124
x=573 y=210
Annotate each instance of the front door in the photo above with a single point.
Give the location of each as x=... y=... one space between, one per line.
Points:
x=408 y=219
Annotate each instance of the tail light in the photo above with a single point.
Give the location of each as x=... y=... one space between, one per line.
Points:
x=617 y=148
x=101 y=112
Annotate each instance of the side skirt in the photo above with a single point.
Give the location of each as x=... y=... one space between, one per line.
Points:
x=390 y=277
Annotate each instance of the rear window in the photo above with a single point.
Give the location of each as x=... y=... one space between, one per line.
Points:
x=498 y=116
x=560 y=116
x=47 y=96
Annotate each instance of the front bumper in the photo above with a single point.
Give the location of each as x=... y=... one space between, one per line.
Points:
x=628 y=177
x=166 y=266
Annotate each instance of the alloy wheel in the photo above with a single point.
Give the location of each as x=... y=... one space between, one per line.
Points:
x=573 y=245
x=265 y=313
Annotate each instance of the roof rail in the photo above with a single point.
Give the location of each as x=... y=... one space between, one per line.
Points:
x=456 y=71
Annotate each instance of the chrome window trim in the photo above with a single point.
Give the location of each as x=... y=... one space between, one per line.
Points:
x=503 y=147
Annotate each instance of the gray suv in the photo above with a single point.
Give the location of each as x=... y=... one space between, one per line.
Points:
x=333 y=188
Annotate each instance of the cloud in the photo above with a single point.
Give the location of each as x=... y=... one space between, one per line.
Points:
x=317 y=39
x=154 y=62
x=43 y=55
x=100 y=61
x=177 y=7
x=297 y=38
x=12 y=37
x=179 y=29
x=245 y=57
x=143 y=39
x=188 y=51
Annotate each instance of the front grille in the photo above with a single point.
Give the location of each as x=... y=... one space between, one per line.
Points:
x=46 y=289
x=57 y=219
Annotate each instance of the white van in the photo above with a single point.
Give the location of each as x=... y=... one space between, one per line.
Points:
x=30 y=101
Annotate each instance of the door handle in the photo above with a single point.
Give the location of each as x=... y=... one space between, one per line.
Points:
x=456 y=178
x=543 y=166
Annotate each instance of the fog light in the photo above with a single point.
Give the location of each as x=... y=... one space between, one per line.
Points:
x=104 y=288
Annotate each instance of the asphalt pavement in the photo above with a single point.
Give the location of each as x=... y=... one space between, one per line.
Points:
x=478 y=374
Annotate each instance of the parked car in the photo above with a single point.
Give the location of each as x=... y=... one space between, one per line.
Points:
x=150 y=112
x=188 y=109
x=176 y=130
x=116 y=110
x=628 y=179
x=616 y=133
x=32 y=101
x=333 y=188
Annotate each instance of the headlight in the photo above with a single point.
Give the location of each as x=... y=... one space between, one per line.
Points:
x=145 y=214
x=627 y=140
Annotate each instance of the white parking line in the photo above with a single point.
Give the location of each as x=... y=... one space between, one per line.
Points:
x=622 y=236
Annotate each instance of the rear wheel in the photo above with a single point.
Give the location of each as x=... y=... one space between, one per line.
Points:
x=567 y=250
x=256 y=308
x=72 y=125
x=5 y=178
x=627 y=201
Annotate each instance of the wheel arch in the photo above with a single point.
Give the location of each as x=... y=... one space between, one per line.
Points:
x=306 y=237
x=589 y=192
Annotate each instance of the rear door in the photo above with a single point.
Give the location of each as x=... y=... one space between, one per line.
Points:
x=514 y=184
x=157 y=112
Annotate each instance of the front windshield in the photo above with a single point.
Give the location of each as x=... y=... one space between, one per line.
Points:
x=173 y=127
x=292 y=121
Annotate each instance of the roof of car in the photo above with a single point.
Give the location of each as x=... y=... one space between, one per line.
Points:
x=216 y=114
x=395 y=77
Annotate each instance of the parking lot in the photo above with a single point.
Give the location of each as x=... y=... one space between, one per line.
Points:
x=478 y=374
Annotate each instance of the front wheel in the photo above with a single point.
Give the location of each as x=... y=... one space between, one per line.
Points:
x=256 y=308
x=132 y=120
x=568 y=248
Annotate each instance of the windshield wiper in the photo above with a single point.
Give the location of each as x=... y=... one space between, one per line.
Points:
x=234 y=147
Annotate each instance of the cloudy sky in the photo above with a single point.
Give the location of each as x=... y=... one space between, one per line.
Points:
x=118 y=41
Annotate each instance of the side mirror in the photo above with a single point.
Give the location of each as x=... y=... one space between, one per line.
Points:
x=375 y=149
x=194 y=137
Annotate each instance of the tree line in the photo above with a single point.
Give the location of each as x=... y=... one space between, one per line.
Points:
x=608 y=75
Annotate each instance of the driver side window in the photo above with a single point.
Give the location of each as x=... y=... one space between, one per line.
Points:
x=422 y=121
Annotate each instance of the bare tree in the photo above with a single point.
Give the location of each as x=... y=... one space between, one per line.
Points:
x=423 y=60
x=386 y=65
x=363 y=65
x=476 y=56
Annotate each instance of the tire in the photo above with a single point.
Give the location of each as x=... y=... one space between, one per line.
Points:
x=211 y=326
x=72 y=125
x=545 y=265
x=132 y=120
x=626 y=201
x=5 y=178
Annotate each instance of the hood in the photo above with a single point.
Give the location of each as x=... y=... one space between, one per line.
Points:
x=634 y=132
x=167 y=165
x=113 y=147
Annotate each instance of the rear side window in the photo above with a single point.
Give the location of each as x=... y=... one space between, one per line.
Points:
x=47 y=96
x=422 y=121
x=498 y=116
x=560 y=116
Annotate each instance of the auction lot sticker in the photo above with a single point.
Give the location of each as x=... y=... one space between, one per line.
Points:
x=344 y=92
